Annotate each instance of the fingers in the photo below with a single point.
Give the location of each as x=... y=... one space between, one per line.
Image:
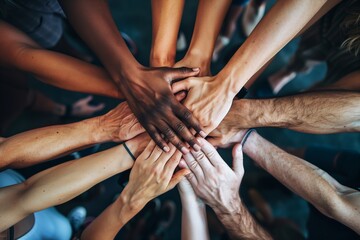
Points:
x=155 y=135
x=97 y=108
x=182 y=130
x=174 y=74
x=183 y=85
x=184 y=114
x=86 y=99
x=203 y=161
x=172 y=137
x=210 y=152
x=178 y=176
x=193 y=166
x=238 y=165
x=148 y=150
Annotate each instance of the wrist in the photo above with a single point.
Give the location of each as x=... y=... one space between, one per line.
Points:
x=200 y=57
x=134 y=202
x=93 y=127
x=232 y=207
x=159 y=59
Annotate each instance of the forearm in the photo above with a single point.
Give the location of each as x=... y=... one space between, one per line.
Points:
x=22 y=53
x=193 y=219
x=306 y=180
x=60 y=184
x=209 y=19
x=166 y=19
x=240 y=224
x=38 y=145
x=312 y=112
x=281 y=24
x=112 y=219
x=98 y=29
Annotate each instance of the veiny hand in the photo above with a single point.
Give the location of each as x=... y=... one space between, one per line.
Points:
x=120 y=123
x=212 y=179
x=153 y=174
x=82 y=108
x=149 y=96
x=208 y=100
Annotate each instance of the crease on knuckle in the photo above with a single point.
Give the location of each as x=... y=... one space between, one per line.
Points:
x=180 y=127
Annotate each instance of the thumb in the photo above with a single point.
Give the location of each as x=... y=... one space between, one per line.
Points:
x=86 y=99
x=175 y=74
x=238 y=159
x=178 y=176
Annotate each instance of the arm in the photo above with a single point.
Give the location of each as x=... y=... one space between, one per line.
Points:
x=147 y=90
x=151 y=175
x=312 y=112
x=218 y=186
x=166 y=19
x=193 y=216
x=35 y=146
x=63 y=182
x=281 y=24
x=316 y=186
x=53 y=68
x=209 y=19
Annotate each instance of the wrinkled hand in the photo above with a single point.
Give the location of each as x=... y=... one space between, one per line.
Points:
x=212 y=179
x=153 y=174
x=120 y=123
x=207 y=98
x=149 y=96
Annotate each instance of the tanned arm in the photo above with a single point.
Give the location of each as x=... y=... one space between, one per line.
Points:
x=308 y=181
x=22 y=53
x=43 y=144
x=63 y=182
x=312 y=112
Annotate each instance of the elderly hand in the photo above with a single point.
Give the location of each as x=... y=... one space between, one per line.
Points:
x=212 y=179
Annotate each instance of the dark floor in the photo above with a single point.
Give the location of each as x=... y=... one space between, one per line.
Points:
x=134 y=18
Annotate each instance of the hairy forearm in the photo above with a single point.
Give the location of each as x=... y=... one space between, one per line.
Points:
x=306 y=180
x=281 y=24
x=60 y=184
x=166 y=19
x=312 y=112
x=240 y=224
x=193 y=219
x=98 y=29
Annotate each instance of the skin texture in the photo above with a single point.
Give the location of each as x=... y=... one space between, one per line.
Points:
x=308 y=181
x=27 y=148
x=147 y=90
x=63 y=182
x=22 y=53
x=322 y=112
x=281 y=24
x=151 y=175
x=218 y=186
x=193 y=215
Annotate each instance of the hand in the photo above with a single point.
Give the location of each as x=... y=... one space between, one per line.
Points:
x=225 y=136
x=82 y=108
x=212 y=179
x=152 y=175
x=120 y=123
x=149 y=96
x=195 y=62
x=207 y=99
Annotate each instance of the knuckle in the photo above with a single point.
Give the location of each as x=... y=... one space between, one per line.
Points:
x=179 y=126
x=187 y=114
x=193 y=165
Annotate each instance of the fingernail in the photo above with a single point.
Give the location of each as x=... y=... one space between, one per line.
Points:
x=202 y=134
x=196 y=147
x=166 y=149
x=200 y=141
x=184 y=150
x=196 y=69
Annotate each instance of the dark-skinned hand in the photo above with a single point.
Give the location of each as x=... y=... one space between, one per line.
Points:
x=149 y=96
